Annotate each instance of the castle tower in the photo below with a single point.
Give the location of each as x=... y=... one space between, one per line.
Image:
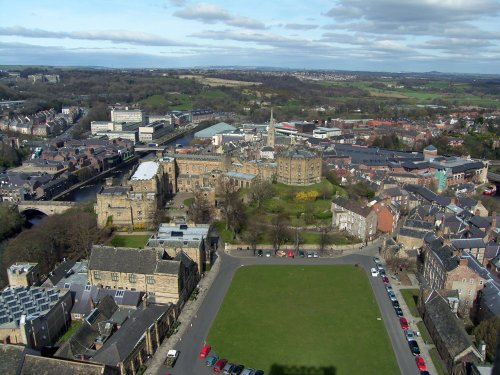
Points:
x=271 y=132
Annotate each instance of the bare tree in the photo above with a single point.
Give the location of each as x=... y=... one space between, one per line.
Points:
x=201 y=211
x=324 y=238
x=261 y=190
x=253 y=235
x=279 y=231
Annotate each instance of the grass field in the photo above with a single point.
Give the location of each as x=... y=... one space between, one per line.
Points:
x=135 y=240
x=411 y=298
x=310 y=319
x=436 y=359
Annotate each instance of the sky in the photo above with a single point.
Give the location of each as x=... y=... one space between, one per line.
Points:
x=454 y=36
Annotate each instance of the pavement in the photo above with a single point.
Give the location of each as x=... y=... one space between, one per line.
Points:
x=197 y=316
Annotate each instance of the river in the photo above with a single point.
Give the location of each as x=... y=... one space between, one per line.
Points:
x=88 y=192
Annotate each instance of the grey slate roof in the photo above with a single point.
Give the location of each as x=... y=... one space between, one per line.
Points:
x=447 y=325
x=122 y=259
x=121 y=344
x=408 y=232
x=352 y=206
x=468 y=243
x=445 y=255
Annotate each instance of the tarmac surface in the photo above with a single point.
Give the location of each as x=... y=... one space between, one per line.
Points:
x=197 y=316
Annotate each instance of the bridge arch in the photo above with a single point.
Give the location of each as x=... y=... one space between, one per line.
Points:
x=46 y=207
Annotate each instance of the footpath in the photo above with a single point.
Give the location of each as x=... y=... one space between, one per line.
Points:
x=412 y=322
x=189 y=311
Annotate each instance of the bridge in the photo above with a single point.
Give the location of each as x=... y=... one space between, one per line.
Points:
x=46 y=207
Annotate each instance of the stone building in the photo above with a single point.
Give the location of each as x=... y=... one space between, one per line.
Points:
x=444 y=268
x=164 y=278
x=298 y=167
x=358 y=221
x=24 y=274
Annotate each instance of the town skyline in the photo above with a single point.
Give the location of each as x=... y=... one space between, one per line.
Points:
x=382 y=35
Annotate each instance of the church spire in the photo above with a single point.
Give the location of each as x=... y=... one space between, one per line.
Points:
x=271 y=132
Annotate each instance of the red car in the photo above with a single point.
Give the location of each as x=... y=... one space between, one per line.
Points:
x=404 y=323
x=204 y=351
x=291 y=254
x=420 y=363
x=219 y=365
x=385 y=279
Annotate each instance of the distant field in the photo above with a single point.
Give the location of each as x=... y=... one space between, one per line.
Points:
x=303 y=320
x=219 y=81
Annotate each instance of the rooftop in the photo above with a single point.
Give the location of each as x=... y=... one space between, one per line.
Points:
x=146 y=171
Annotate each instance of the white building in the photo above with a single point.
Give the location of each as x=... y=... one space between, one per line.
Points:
x=127 y=115
x=324 y=133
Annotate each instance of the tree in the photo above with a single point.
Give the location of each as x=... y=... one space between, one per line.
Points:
x=9 y=156
x=261 y=191
x=11 y=221
x=253 y=235
x=232 y=206
x=200 y=211
x=279 y=231
x=487 y=331
x=324 y=238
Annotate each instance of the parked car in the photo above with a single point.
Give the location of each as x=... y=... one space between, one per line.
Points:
x=309 y=254
x=382 y=272
x=398 y=311
x=414 y=347
x=385 y=279
x=211 y=360
x=219 y=365
x=409 y=334
x=403 y=322
x=248 y=371
x=259 y=372
x=268 y=254
x=260 y=253
x=424 y=372
x=302 y=254
x=395 y=303
x=315 y=254
x=420 y=363
x=237 y=370
x=204 y=351
x=281 y=253
x=380 y=266
x=290 y=254
x=376 y=260
x=228 y=368
x=374 y=272
x=392 y=296
x=388 y=287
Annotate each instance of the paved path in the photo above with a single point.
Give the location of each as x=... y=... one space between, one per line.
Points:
x=196 y=319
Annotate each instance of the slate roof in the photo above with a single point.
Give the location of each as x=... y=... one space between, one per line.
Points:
x=479 y=221
x=12 y=358
x=407 y=232
x=468 y=243
x=445 y=255
x=425 y=193
x=36 y=365
x=446 y=324
x=352 y=206
x=419 y=225
x=122 y=343
x=123 y=259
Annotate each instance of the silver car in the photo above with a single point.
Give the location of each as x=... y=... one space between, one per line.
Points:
x=247 y=371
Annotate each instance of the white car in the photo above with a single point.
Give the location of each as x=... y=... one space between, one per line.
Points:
x=374 y=272
x=409 y=335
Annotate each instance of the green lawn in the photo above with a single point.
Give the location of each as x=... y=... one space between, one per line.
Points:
x=135 y=240
x=75 y=324
x=424 y=333
x=411 y=298
x=436 y=359
x=309 y=319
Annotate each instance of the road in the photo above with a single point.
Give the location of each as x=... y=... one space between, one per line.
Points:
x=194 y=337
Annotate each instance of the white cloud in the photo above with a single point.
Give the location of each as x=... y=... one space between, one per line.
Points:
x=209 y=13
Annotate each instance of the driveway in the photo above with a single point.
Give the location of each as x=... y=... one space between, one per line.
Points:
x=194 y=337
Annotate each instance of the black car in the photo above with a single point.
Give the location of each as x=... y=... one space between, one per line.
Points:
x=399 y=312
x=237 y=369
x=259 y=372
x=260 y=253
x=395 y=304
x=415 y=350
x=382 y=273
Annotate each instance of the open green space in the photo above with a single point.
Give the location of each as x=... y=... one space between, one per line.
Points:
x=436 y=359
x=424 y=332
x=316 y=319
x=134 y=240
x=75 y=324
x=411 y=298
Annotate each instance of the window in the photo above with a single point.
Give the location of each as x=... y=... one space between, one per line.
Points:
x=132 y=278
x=471 y=281
x=464 y=281
x=150 y=279
x=97 y=275
x=114 y=276
x=480 y=282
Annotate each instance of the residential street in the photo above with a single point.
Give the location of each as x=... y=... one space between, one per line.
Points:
x=198 y=320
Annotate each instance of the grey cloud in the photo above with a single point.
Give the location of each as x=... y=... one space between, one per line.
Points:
x=208 y=13
x=115 y=36
x=299 y=26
